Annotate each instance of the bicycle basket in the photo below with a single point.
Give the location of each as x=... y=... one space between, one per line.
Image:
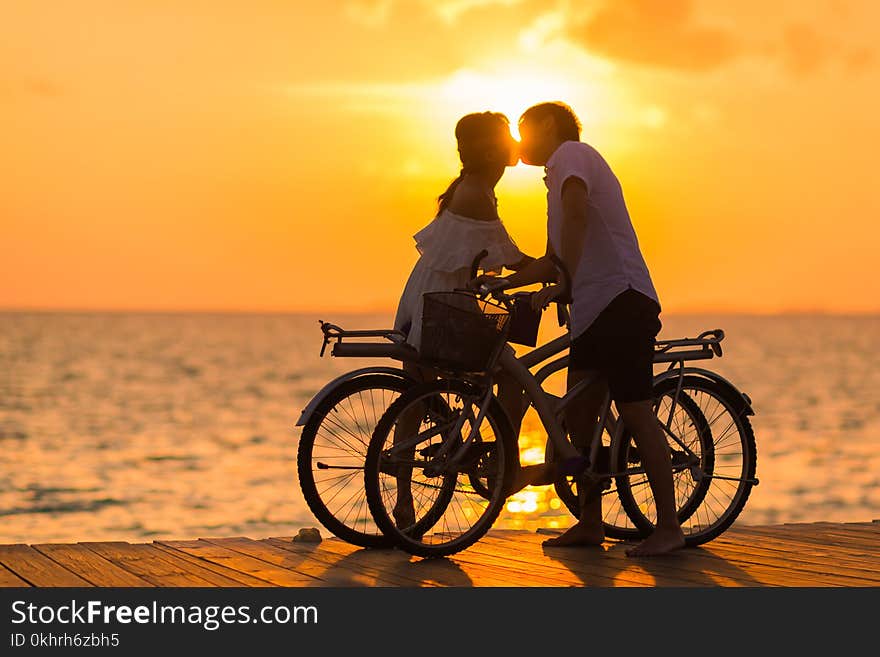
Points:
x=524 y=322
x=461 y=332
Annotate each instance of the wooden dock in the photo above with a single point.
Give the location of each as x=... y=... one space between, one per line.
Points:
x=792 y=555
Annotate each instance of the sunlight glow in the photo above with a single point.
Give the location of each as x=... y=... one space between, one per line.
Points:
x=510 y=91
x=524 y=502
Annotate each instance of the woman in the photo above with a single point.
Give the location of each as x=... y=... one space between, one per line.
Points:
x=466 y=223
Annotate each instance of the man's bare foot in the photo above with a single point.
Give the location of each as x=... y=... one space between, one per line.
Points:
x=578 y=534
x=662 y=541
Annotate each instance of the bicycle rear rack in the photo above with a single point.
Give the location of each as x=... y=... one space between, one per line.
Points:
x=671 y=351
x=395 y=348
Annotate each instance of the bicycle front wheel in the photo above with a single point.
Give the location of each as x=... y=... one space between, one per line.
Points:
x=713 y=454
x=429 y=488
x=331 y=454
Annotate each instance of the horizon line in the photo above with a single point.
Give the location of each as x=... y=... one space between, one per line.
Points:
x=375 y=311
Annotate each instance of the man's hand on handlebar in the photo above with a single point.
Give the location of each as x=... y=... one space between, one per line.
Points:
x=545 y=296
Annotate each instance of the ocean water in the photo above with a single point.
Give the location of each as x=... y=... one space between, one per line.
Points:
x=139 y=426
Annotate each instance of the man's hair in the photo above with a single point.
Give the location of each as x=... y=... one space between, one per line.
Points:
x=567 y=124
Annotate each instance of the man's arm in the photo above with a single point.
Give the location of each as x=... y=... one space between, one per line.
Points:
x=537 y=271
x=575 y=203
x=522 y=263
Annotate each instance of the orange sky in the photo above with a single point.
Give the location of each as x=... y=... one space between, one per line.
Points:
x=278 y=156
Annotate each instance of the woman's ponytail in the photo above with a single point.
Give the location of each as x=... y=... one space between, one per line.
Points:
x=446 y=197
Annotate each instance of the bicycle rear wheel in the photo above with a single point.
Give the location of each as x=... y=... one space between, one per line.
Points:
x=331 y=454
x=418 y=454
x=714 y=458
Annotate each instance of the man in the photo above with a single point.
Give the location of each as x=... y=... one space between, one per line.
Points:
x=614 y=311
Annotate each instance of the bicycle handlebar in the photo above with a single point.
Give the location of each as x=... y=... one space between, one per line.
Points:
x=496 y=290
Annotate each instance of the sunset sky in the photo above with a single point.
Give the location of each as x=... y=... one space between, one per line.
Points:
x=279 y=155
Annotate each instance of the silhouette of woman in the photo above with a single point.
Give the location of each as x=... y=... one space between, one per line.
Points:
x=466 y=222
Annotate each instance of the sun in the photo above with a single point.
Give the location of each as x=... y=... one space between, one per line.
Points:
x=510 y=92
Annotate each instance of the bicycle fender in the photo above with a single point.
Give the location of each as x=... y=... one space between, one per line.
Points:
x=731 y=389
x=348 y=376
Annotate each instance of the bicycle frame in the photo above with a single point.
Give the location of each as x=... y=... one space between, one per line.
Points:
x=551 y=408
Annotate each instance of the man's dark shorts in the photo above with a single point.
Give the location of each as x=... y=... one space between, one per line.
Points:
x=620 y=344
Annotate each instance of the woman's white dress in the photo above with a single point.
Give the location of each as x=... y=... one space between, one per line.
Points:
x=447 y=247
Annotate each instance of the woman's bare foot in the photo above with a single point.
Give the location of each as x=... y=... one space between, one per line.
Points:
x=662 y=541
x=578 y=534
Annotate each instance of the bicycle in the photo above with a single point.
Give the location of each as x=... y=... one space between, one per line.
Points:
x=336 y=427
x=338 y=422
x=459 y=462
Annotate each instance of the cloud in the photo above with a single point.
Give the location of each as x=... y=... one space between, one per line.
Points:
x=450 y=10
x=860 y=59
x=370 y=13
x=667 y=34
x=658 y=33
x=32 y=87
x=375 y=13
x=804 y=49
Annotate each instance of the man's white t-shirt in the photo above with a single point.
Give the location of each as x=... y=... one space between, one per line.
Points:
x=611 y=261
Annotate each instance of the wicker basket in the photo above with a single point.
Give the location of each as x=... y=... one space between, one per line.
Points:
x=461 y=332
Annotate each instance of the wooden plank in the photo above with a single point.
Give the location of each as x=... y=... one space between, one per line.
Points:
x=148 y=563
x=303 y=562
x=707 y=567
x=609 y=566
x=537 y=572
x=867 y=535
x=528 y=560
x=190 y=565
x=219 y=575
x=234 y=560
x=419 y=572
x=797 y=564
x=853 y=531
x=348 y=567
x=9 y=579
x=514 y=559
x=806 y=555
x=37 y=569
x=784 y=533
x=91 y=567
x=867 y=554
x=440 y=572
x=614 y=563
x=394 y=565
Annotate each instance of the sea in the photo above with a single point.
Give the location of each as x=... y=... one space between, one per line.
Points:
x=139 y=426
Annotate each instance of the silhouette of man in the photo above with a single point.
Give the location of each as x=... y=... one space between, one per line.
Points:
x=614 y=312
